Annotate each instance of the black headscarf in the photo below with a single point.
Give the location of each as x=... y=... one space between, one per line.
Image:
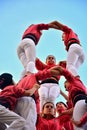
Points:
x=5 y=80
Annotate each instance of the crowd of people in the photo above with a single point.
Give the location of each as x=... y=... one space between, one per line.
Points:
x=30 y=104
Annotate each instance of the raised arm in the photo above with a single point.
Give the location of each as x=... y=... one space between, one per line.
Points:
x=39 y=64
x=64 y=95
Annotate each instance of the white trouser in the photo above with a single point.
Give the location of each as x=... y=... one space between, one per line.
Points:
x=75 y=57
x=14 y=121
x=48 y=92
x=26 y=52
x=26 y=108
x=80 y=109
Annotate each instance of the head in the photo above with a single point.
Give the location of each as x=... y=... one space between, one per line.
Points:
x=48 y=109
x=60 y=107
x=50 y=60
x=5 y=80
x=67 y=85
x=62 y=63
x=63 y=36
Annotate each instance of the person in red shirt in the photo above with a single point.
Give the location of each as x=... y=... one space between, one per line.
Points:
x=75 y=53
x=26 y=50
x=49 y=89
x=26 y=107
x=77 y=93
x=47 y=120
x=8 y=98
x=64 y=123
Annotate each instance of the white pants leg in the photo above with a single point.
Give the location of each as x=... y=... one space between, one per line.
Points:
x=48 y=92
x=14 y=121
x=75 y=57
x=26 y=52
x=26 y=108
x=80 y=109
x=22 y=74
x=43 y=96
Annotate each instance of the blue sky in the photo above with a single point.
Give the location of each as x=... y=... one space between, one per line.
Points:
x=17 y=15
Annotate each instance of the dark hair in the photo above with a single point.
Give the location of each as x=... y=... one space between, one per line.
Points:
x=62 y=103
x=45 y=104
x=5 y=80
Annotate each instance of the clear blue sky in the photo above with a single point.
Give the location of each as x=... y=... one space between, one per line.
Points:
x=17 y=15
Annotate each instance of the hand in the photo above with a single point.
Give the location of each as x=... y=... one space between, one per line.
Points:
x=77 y=123
x=62 y=63
x=37 y=86
x=31 y=91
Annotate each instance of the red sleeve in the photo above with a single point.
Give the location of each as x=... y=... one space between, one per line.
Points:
x=41 y=75
x=84 y=119
x=64 y=118
x=43 y=26
x=40 y=65
x=19 y=92
x=67 y=75
x=66 y=29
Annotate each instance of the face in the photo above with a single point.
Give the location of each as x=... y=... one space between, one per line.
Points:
x=49 y=109
x=67 y=86
x=50 y=60
x=60 y=107
x=63 y=36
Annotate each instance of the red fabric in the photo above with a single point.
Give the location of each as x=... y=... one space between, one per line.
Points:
x=41 y=66
x=43 y=124
x=84 y=119
x=11 y=93
x=69 y=35
x=76 y=84
x=35 y=29
x=64 y=121
x=28 y=81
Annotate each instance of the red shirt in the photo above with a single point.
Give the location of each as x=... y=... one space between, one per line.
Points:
x=64 y=121
x=69 y=34
x=76 y=84
x=41 y=66
x=36 y=29
x=28 y=81
x=43 y=124
x=11 y=94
